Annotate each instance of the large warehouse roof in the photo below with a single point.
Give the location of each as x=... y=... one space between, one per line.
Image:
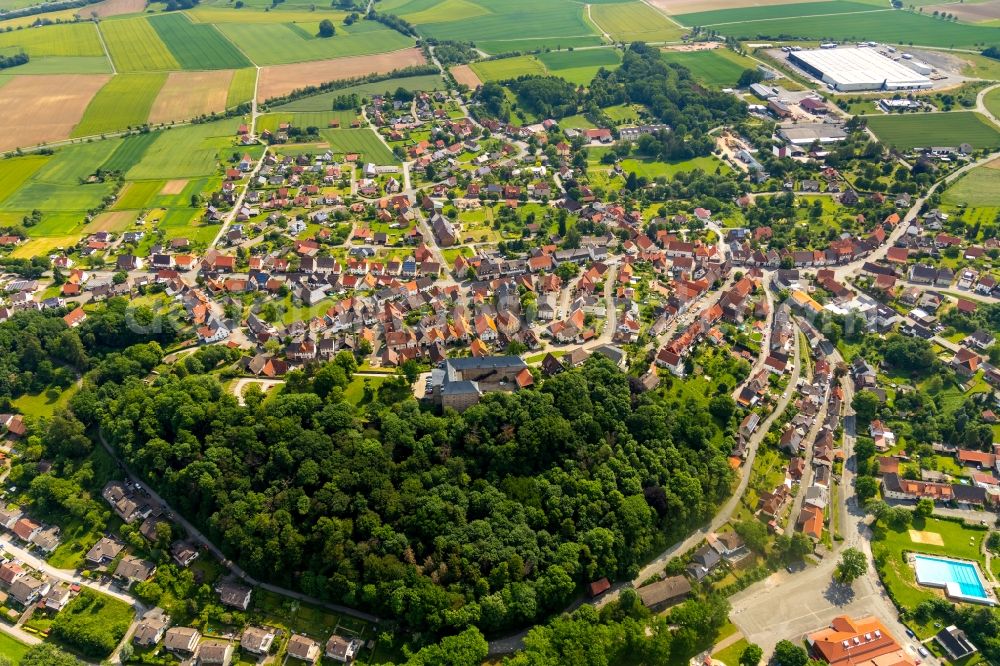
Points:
x=860 y=69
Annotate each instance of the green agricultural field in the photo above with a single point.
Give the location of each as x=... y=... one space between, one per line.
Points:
x=16 y=171
x=935 y=129
x=420 y=12
x=123 y=102
x=719 y=68
x=129 y=152
x=66 y=65
x=283 y=13
x=242 y=87
x=136 y=47
x=186 y=222
x=324 y=101
x=75 y=163
x=282 y=43
x=138 y=194
x=508 y=68
x=504 y=28
x=303 y=119
x=891 y=27
x=635 y=21
x=775 y=11
x=362 y=141
x=977 y=188
x=68 y=39
x=197 y=46
x=992 y=102
x=559 y=60
x=187 y=152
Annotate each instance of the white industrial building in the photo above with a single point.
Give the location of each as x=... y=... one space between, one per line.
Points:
x=852 y=69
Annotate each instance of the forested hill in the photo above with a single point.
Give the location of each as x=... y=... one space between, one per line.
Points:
x=494 y=517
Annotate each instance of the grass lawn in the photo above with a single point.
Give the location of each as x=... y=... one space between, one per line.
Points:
x=935 y=129
x=75 y=540
x=355 y=391
x=93 y=614
x=44 y=403
x=654 y=169
x=12 y=649
x=508 y=68
x=730 y=656
x=892 y=545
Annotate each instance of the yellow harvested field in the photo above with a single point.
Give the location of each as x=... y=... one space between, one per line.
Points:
x=39 y=247
x=929 y=538
x=279 y=80
x=112 y=8
x=41 y=109
x=464 y=75
x=115 y=221
x=188 y=95
x=173 y=187
x=689 y=6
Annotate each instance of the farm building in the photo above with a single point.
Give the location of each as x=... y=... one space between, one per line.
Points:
x=848 y=70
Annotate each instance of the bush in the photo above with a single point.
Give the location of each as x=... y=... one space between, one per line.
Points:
x=92 y=623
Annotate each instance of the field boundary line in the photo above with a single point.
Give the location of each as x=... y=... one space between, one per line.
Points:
x=665 y=14
x=104 y=45
x=590 y=18
x=795 y=18
x=224 y=37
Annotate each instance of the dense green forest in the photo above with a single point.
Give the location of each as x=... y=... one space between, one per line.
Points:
x=492 y=518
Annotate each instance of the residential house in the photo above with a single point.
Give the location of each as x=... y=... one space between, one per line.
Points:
x=257 y=640
x=665 y=593
x=342 y=649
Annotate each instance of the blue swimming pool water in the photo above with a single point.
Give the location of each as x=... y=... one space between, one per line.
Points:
x=937 y=571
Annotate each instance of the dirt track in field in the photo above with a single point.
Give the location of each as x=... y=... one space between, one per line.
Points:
x=188 y=95
x=688 y=6
x=41 y=109
x=112 y=8
x=279 y=80
x=464 y=75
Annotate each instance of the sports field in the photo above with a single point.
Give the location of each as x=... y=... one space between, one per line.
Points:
x=67 y=39
x=187 y=95
x=324 y=101
x=362 y=141
x=241 y=87
x=196 y=45
x=935 y=129
x=717 y=68
x=123 y=102
x=42 y=109
x=283 y=43
x=279 y=80
x=978 y=188
x=891 y=27
x=136 y=47
x=635 y=21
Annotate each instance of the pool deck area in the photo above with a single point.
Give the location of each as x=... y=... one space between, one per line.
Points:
x=952 y=588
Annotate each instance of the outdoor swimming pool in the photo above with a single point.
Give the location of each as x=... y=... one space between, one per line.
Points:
x=961 y=580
